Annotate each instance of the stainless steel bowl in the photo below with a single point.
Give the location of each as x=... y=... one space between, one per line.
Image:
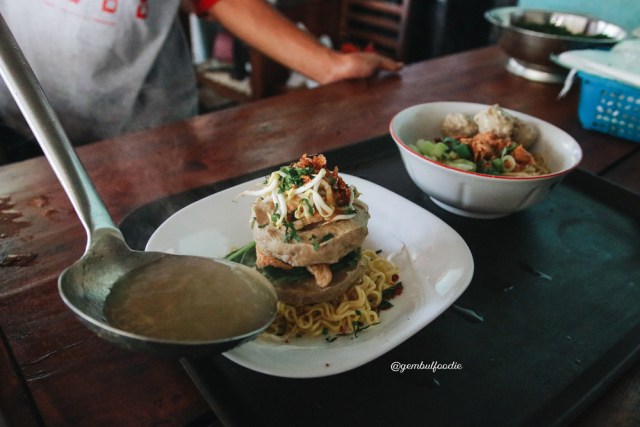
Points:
x=530 y=50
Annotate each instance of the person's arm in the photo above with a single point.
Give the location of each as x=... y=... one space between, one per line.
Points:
x=261 y=26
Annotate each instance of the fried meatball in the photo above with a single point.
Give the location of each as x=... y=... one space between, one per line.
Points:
x=459 y=125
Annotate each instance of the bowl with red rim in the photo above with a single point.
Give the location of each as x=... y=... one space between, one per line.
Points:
x=474 y=194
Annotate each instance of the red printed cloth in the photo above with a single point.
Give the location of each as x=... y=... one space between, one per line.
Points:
x=201 y=7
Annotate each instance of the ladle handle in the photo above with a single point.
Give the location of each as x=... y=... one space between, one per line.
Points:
x=46 y=127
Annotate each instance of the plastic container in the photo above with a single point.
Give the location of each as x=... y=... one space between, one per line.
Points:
x=609 y=106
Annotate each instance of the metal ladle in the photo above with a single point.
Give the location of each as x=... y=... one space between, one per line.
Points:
x=86 y=284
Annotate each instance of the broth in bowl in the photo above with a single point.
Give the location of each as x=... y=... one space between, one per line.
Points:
x=491 y=142
x=474 y=194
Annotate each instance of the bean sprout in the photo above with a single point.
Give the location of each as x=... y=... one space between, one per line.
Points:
x=305 y=198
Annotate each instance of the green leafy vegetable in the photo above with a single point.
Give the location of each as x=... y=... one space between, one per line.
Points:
x=392 y=291
x=317 y=242
x=294 y=177
x=558 y=30
x=452 y=152
x=290 y=232
x=246 y=255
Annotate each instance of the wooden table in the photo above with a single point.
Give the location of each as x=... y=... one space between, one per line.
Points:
x=55 y=372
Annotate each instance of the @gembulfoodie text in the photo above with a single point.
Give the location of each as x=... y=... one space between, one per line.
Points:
x=431 y=366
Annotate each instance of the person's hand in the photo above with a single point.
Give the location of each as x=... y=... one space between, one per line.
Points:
x=358 y=65
x=263 y=27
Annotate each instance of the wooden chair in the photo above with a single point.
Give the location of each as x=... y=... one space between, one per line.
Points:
x=380 y=22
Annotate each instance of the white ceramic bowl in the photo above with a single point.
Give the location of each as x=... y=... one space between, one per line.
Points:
x=472 y=194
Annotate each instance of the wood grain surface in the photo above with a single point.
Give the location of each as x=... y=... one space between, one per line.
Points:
x=57 y=373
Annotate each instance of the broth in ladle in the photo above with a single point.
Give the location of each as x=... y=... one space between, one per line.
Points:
x=177 y=301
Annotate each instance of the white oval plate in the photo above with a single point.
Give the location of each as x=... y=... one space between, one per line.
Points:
x=435 y=264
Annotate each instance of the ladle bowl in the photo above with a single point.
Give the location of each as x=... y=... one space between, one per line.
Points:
x=108 y=262
x=86 y=286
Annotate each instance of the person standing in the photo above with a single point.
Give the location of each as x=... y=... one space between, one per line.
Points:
x=114 y=66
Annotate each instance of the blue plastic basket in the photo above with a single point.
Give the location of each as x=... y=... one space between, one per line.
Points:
x=610 y=107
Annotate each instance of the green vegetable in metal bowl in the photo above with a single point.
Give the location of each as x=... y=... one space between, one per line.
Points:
x=557 y=30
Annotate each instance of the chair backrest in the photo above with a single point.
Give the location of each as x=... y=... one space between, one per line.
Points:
x=382 y=23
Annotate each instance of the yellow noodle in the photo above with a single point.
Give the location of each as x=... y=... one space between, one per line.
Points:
x=535 y=169
x=359 y=304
